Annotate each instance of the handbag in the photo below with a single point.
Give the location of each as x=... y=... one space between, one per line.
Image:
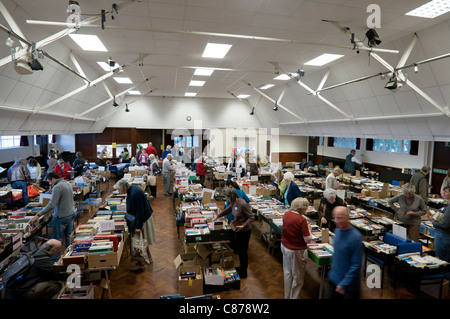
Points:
x=152 y=180
x=139 y=247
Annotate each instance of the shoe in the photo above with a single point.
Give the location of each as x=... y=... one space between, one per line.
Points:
x=242 y=275
x=166 y=194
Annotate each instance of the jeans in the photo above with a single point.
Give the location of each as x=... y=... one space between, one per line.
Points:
x=23 y=186
x=442 y=247
x=63 y=227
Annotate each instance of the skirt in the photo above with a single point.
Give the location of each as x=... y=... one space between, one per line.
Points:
x=148 y=231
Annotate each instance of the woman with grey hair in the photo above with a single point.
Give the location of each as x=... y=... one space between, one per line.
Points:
x=292 y=191
x=331 y=181
x=139 y=207
x=296 y=234
x=411 y=208
x=328 y=202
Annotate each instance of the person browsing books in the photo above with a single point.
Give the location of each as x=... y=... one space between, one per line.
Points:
x=63 y=207
x=243 y=218
x=296 y=234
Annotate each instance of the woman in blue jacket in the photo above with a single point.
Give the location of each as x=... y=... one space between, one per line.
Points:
x=292 y=190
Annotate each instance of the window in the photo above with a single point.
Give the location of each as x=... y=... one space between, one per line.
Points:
x=9 y=141
x=345 y=142
x=396 y=146
x=186 y=141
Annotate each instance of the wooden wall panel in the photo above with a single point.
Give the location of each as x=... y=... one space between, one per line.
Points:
x=291 y=157
x=441 y=160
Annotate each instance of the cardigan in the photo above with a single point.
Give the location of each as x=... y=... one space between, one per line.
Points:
x=138 y=205
x=241 y=211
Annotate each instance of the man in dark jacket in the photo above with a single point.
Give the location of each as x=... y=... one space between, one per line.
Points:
x=42 y=281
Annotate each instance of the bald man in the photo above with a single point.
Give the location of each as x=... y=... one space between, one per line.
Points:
x=344 y=278
x=42 y=281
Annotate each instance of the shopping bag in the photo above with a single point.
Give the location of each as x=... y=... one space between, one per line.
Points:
x=139 y=247
x=31 y=191
x=152 y=180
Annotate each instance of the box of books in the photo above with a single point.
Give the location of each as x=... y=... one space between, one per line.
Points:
x=190 y=281
x=102 y=254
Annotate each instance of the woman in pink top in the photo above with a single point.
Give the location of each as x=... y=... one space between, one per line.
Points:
x=296 y=234
x=143 y=158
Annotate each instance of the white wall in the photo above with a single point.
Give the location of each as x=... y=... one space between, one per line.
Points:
x=171 y=113
x=293 y=144
x=65 y=143
x=11 y=154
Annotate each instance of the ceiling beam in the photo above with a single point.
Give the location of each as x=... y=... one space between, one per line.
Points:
x=110 y=99
x=273 y=101
x=61 y=34
x=370 y=118
x=359 y=44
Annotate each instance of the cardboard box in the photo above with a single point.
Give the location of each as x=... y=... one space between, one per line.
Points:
x=84 y=292
x=107 y=259
x=190 y=287
x=186 y=260
x=14 y=236
x=215 y=277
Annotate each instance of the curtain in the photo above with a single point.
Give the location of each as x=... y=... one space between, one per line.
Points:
x=24 y=141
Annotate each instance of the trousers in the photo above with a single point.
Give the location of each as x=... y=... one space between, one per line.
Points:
x=294 y=266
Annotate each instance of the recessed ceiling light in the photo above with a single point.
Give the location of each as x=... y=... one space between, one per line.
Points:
x=216 y=50
x=203 y=72
x=243 y=96
x=431 y=9
x=324 y=59
x=123 y=80
x=88 y=42
x=190 y=94
x=196 y=83
x=266 y=86
x=105 y=66
x=131 y=92
x=282 y=77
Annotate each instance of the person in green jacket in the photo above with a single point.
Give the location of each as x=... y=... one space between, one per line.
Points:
x=420 y=182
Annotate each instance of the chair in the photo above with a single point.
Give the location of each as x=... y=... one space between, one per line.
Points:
x=412 y=247
x=390 y=239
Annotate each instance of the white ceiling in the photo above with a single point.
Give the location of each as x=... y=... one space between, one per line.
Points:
x=172 y=35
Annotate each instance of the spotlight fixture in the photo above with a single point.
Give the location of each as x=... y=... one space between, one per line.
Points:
x=301 y=73
x=126 y=108
x=373 y=38
x=111 y=62
x=253 y=111
x=416 y=68
x=275 y=108
x=393 y=84
x=114 y=102
x=9 y=42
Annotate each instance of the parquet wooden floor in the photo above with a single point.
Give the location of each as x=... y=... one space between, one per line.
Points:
x=265 y=273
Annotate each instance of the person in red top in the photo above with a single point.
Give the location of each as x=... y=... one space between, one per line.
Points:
x=201 y=170
x=151 y=149
x=296 y=234
x=63 y=169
